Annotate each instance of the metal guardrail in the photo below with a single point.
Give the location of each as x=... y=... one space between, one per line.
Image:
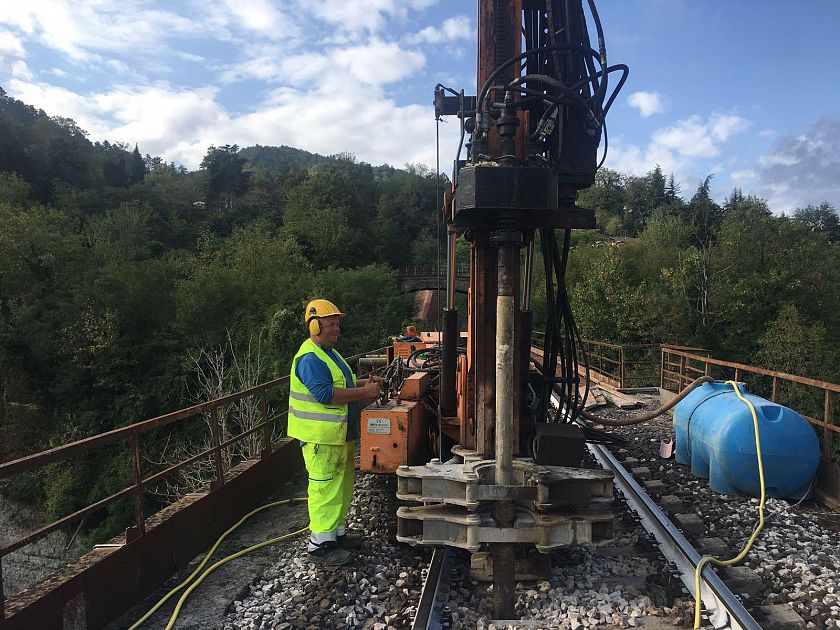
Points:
x=636 y=365
x=624 y=365
x=432 y=270
x=131 y=434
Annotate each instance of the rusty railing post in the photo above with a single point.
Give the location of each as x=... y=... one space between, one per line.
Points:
x=621 y=366
x=828 y=418
x=217 y=450
x=774 y=392
x=139 y=528
x=266 y=449
x=661 y=367
x=681 y=377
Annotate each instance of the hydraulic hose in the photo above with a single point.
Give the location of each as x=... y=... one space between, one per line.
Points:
x=215 y=566
x=610 y=422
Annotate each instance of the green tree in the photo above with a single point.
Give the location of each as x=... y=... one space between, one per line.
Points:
x=606 y=198
x=136 y=167
x=822 y=219
x=703 y=214
x=14 y=190
x=330 y=214
x=122 y=234
x=226 y=178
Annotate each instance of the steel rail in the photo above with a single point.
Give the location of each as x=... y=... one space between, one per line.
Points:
x=435 y=591
x=724 y=609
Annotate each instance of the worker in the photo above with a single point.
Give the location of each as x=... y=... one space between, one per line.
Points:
x=325 y=402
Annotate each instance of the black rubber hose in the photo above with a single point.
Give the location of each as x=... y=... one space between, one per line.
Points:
x=486 y=87
x=645 y=417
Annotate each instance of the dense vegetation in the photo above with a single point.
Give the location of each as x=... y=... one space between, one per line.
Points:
x=121 y=274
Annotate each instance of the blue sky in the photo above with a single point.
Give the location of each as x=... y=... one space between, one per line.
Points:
x=742 y=90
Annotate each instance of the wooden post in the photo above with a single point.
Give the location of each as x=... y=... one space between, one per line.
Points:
x=737 y=378
x=217 y=450
x=828 y=418
x=774 y=393
x=139 y=518
x=266 y=449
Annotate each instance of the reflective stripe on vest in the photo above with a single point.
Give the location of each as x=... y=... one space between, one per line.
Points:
x=309 y=420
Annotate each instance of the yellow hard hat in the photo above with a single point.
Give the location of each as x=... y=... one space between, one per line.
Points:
x=320 y=308
x=316 y=309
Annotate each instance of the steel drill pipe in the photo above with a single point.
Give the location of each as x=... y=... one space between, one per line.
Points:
x=504 y=512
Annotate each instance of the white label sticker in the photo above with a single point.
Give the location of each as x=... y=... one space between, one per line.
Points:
x=379 y=426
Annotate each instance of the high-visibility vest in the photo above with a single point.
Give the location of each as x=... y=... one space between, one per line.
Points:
x=309 y=420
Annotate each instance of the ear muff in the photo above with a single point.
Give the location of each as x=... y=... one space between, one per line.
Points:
x=314 y=326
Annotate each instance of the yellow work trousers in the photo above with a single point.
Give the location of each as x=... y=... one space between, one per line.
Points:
x=331 y=474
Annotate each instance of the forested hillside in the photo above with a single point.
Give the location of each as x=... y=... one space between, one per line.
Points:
x=121 y=275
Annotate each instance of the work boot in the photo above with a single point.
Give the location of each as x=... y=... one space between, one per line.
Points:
x=329 y=554
x=349 y=541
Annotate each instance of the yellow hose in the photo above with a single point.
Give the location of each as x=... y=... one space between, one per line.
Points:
x=215 y=566
x=726 y=563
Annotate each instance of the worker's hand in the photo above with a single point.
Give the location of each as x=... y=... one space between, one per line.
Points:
x=371 y=389
x=377 y=379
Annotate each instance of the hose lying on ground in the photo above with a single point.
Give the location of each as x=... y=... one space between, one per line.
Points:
x=759 y=526
x=626 y=422
x=215 y=566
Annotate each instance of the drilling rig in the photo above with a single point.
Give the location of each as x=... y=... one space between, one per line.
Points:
x=507 y=473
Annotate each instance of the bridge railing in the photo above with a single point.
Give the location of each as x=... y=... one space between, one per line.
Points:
x=431 y=270
x=622 y=365
x=131 y=435
x=637 y=365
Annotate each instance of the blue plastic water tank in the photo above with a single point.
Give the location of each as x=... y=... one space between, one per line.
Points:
x=714 y=433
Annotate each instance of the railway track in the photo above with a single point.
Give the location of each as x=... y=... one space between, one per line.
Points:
x=724 y=609
x=628 y=583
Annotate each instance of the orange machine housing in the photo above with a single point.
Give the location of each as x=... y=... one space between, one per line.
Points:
x=405 y=348
x=393 y=434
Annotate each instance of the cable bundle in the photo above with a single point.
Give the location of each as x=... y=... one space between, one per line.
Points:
x=563 y=344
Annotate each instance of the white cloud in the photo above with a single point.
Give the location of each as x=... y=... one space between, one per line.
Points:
x=323 y=98
x=724 y=126
x=356 y=15
x=689 y=137
x=686 y=148
x=262 y=17
x=452 y=29
x=379 y=62
x=180 y=124
x=11 y=53
x=741 y=176
x=83 y=29
x=802 y=169
x=20 y=70
x=373 y=63
x=648 y=103
x=10 y=46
